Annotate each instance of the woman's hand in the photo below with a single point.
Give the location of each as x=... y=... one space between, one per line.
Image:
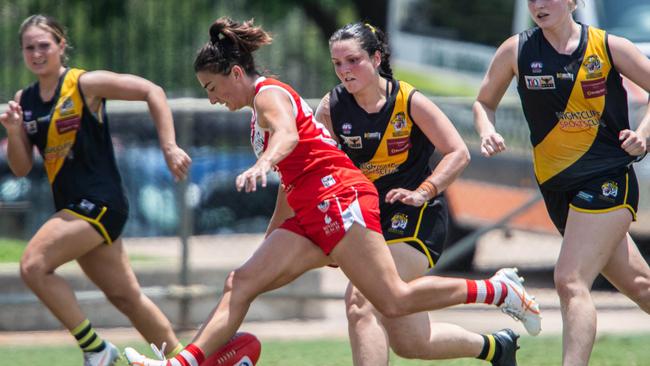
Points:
x=633 y=144
x=492 y=144
x=12 y=119
x=248 y=179
x=412 y=198
x=178 y=162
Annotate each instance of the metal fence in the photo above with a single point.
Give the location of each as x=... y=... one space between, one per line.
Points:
x=218 y=142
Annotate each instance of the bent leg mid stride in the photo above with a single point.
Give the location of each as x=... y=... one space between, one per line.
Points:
x=367 y=328
x=368 y=338
x=410 y=336
x=380 y=283
x=589 y=242
x=61 y=239
x=108 y=267
x=630 y=273
x=282 y=257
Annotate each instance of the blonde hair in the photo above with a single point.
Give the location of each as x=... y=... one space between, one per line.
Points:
x=49 y=25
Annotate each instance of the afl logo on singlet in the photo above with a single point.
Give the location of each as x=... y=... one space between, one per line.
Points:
x=536 y=67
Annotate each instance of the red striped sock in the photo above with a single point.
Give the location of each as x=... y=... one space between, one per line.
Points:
x=189 y=356
x=486 y=292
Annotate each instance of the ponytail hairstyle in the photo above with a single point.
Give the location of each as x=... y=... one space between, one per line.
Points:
x=371 y=39
x=231 y=43
x=50 y=25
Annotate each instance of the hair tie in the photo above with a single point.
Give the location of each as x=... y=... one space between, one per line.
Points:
x=372 y=29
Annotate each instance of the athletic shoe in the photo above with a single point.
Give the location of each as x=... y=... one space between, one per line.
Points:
x=106 y=357
x=518 y=303
x=134 y=358
x=507 y=339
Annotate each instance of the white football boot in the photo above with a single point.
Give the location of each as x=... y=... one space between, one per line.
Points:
x=518 y=303
x=106 y=357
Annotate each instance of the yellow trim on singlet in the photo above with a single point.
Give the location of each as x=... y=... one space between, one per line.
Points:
x=566 y=143
x=492 y=348
x=61 y=137
x=415 y=238
x=610 y=209
x=94 y=222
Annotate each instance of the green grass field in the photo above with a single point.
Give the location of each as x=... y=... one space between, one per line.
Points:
x=11 y=250
x=436 y=84
x=609 y=351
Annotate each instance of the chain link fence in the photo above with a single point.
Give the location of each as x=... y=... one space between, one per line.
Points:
x=218 y=142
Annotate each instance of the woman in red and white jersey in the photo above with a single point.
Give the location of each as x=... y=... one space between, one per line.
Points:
x=327 y=211
x=314 y=173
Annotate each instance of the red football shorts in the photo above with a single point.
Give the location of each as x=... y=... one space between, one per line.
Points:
x=325 y=223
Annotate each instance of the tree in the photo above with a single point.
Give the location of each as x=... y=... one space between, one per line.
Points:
x=487 y=22
x=329 y=15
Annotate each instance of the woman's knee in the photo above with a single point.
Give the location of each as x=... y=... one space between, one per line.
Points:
x=393 y=306
x=568 y=284
x=357 y=307
x=33 y=267
x=406 y=347
x=127 y=301
x=640 y=293
x=241 y=286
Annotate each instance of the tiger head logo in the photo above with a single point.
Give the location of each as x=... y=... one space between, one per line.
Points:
x=593 y=65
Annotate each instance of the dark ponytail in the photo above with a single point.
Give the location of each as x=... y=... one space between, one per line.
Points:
x=231 y=43
x=371 y=39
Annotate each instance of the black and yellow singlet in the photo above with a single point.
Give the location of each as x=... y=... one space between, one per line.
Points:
x=75 y=145
x=387 y=146
x=392 y=151
x=575 y=106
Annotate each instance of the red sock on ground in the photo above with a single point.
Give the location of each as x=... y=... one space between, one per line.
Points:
x=486 y=292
